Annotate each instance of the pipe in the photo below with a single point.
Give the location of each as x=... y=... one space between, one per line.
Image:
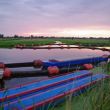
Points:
x=78 y=62
x=2 y=83
x=69 y=63
x=35 y=63
x=50 y=71
x=25 y=64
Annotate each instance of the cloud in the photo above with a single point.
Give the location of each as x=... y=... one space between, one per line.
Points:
x=18 y=16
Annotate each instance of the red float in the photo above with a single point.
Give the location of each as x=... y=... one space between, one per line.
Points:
x=2 y=65
x=38 y=63
x=7 y=73
x=53 y=70
x=88 y=66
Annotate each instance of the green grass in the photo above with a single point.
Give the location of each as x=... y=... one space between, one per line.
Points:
x=87 y=42
x=97 y=98
x=11 y=42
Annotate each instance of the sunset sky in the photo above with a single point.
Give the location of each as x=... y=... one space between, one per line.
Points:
x=80 y=18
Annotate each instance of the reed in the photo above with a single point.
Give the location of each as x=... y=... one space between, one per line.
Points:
x=97 y=98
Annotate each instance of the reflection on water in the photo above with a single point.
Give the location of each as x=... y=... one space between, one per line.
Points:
x=25 y=55
x=59 y=45
x=105 y=47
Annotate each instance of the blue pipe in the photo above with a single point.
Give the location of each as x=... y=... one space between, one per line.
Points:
x=70 y=63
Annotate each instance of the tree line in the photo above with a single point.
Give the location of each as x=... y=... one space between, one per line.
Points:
x=33 y=37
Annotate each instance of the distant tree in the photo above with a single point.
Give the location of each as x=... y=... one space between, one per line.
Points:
x=1 y=35
x=91 y=38
x=31 y=36
x=16 y=36
x=41 y=36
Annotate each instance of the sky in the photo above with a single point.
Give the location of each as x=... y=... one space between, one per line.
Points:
x=69 y=18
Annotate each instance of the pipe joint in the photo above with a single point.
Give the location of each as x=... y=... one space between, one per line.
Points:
x=1 y=73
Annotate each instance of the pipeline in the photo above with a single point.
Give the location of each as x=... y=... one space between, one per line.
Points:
x=36 y=63
x=55 y=47
x=9 y=73
x=78 y=62
x=60 y=64
x=47 y=47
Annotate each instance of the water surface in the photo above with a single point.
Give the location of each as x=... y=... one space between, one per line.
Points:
x=25 y=55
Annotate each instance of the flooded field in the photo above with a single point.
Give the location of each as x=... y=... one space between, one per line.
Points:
x=25 y=55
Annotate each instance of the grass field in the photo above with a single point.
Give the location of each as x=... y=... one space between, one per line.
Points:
x=87 y=42
x=11 y=42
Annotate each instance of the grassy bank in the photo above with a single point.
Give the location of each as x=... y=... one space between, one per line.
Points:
x=11 y=42
x=97 y=98
x=87 y=42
